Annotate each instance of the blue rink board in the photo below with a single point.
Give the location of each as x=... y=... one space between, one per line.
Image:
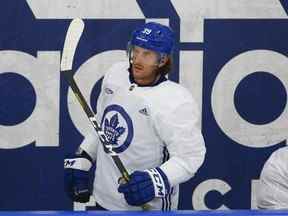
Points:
x=152 y=213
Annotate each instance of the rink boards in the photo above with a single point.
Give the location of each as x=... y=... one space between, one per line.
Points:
x=151 y=213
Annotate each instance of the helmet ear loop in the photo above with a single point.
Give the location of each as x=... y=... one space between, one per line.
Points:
x=129 y=52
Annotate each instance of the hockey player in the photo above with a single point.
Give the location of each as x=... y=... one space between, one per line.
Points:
x=151 y=123
x=273 y=187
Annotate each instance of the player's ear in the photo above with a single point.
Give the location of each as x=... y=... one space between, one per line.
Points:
x=163 y=61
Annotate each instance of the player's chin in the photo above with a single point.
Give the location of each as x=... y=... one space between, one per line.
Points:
x=137 y=72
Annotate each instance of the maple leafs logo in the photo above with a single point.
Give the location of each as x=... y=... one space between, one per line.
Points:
x=111 y=129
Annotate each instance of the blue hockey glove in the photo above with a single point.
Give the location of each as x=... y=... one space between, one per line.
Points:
x=76 y=176
x=144 y=186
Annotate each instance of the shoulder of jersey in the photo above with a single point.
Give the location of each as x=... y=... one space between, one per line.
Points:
x=173 y=91
x=168 y=96
x=277 y=159
x=281 y=153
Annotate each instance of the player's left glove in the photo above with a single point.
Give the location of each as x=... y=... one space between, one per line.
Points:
x=144 y=186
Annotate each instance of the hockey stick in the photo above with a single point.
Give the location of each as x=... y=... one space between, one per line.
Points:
x=73 y=35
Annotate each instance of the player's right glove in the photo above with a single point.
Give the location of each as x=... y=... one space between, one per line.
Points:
x=144 y=186
x=76 y=176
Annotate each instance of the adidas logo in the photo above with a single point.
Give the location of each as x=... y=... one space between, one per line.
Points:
x=144 y=111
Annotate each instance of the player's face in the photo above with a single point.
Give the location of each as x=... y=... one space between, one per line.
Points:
x=144 y=66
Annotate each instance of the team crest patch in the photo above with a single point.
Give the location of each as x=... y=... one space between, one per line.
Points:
x=112 y=129
x=118 y=127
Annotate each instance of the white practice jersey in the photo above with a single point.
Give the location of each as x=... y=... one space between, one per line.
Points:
x=273 y=188
x=149 y=127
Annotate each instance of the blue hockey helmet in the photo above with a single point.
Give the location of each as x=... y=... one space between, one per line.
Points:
x=154 y=36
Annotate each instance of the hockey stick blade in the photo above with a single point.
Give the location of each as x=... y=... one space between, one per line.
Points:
x=73 y=35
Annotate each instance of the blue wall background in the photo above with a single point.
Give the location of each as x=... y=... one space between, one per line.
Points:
x=31 y=177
